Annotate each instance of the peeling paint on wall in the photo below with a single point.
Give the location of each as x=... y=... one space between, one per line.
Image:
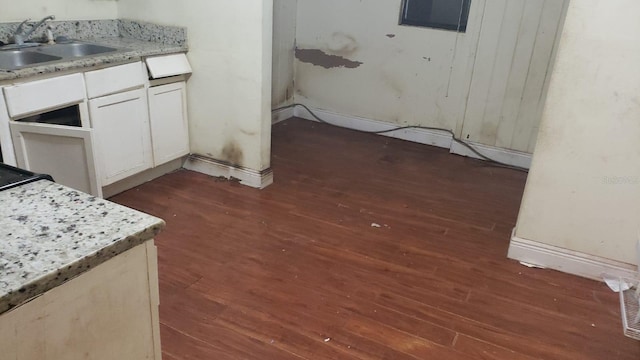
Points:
x=320 y=58
x=390 y=36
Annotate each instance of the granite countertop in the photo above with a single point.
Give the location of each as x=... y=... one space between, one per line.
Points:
x=136 y=39
x=131 y=50
x=50 y=234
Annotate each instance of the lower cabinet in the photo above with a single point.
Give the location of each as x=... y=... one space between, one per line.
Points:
x=109 y=312
x=138 y=126
x=168 y=117
x=121 y=126
x=64 y=152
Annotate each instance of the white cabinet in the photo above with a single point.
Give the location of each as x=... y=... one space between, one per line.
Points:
x=6 y=143
x=126 y=124
x=168 y=117
x=109 y=312
x=121 y=125
x=64 y=152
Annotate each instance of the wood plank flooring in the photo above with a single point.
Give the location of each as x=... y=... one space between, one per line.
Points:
x=365 y=247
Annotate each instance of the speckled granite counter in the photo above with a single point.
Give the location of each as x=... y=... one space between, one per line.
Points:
x=50 y=233
x=135 y=39
x=132 y=50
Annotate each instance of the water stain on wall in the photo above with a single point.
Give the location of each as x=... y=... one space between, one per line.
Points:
x=281 y=96
x=232 y=153
x=394 y=84
x=342 y=44
x=320 y=58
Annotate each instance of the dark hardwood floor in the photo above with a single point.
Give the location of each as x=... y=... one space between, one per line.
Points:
x=365 y=247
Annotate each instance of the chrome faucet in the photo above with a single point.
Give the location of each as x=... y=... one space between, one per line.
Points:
x=20 y=37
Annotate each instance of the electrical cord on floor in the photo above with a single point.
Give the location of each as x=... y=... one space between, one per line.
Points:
x=453 y=136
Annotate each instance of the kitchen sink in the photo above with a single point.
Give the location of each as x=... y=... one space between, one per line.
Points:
x=75 y=49
x=16 y=59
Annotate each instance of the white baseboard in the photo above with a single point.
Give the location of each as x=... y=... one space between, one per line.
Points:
x=282 y=115
x=141 y=178
x=506 y=156
x=421 y=136
x=568 y=261
x=212 y=167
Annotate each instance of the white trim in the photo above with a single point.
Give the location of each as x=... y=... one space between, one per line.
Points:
x=567 y=261
x=143 y=177
x=212 y=167
x=507 y=156
x=421 y=136
x=281 y=115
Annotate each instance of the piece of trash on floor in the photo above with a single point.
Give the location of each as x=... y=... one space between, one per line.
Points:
x=615 y=283
x=375 y=225
x=530 y=265
x=327 y=339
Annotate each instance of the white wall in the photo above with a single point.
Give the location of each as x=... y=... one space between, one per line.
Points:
x=284 y=38
x=583 y=190
x=62 y=9
x=230 y=46
x=421 y=76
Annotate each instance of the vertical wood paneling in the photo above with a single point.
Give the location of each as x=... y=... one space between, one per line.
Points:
x=510 y=72
x=539 y=74
x=504 y=55
x=483 y=69
x=454 y=103
x=519 y=71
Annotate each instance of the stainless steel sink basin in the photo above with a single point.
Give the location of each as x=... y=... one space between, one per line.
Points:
x=16 y=59
x=75 y=49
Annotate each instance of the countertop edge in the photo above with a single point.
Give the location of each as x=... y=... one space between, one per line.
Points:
x=49 y=281
x=61 y=233
x=88 y=63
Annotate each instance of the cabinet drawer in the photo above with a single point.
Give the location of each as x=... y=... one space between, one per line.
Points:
x=114 y=79
x=168 y=65
x=36 y=96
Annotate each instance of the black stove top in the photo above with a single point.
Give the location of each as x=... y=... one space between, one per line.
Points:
x=12 y=176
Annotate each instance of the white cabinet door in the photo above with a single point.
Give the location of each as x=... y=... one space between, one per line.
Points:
x=169 y=127
x=64 y=152
x=121 y=125
x=6 y=143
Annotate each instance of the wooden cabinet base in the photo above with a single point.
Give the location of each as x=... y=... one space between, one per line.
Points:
x=109 y=312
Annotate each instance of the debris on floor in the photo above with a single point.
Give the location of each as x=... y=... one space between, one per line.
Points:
x=533 y=266
x=375 y=225
x=615 y=283
x=327 y=339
